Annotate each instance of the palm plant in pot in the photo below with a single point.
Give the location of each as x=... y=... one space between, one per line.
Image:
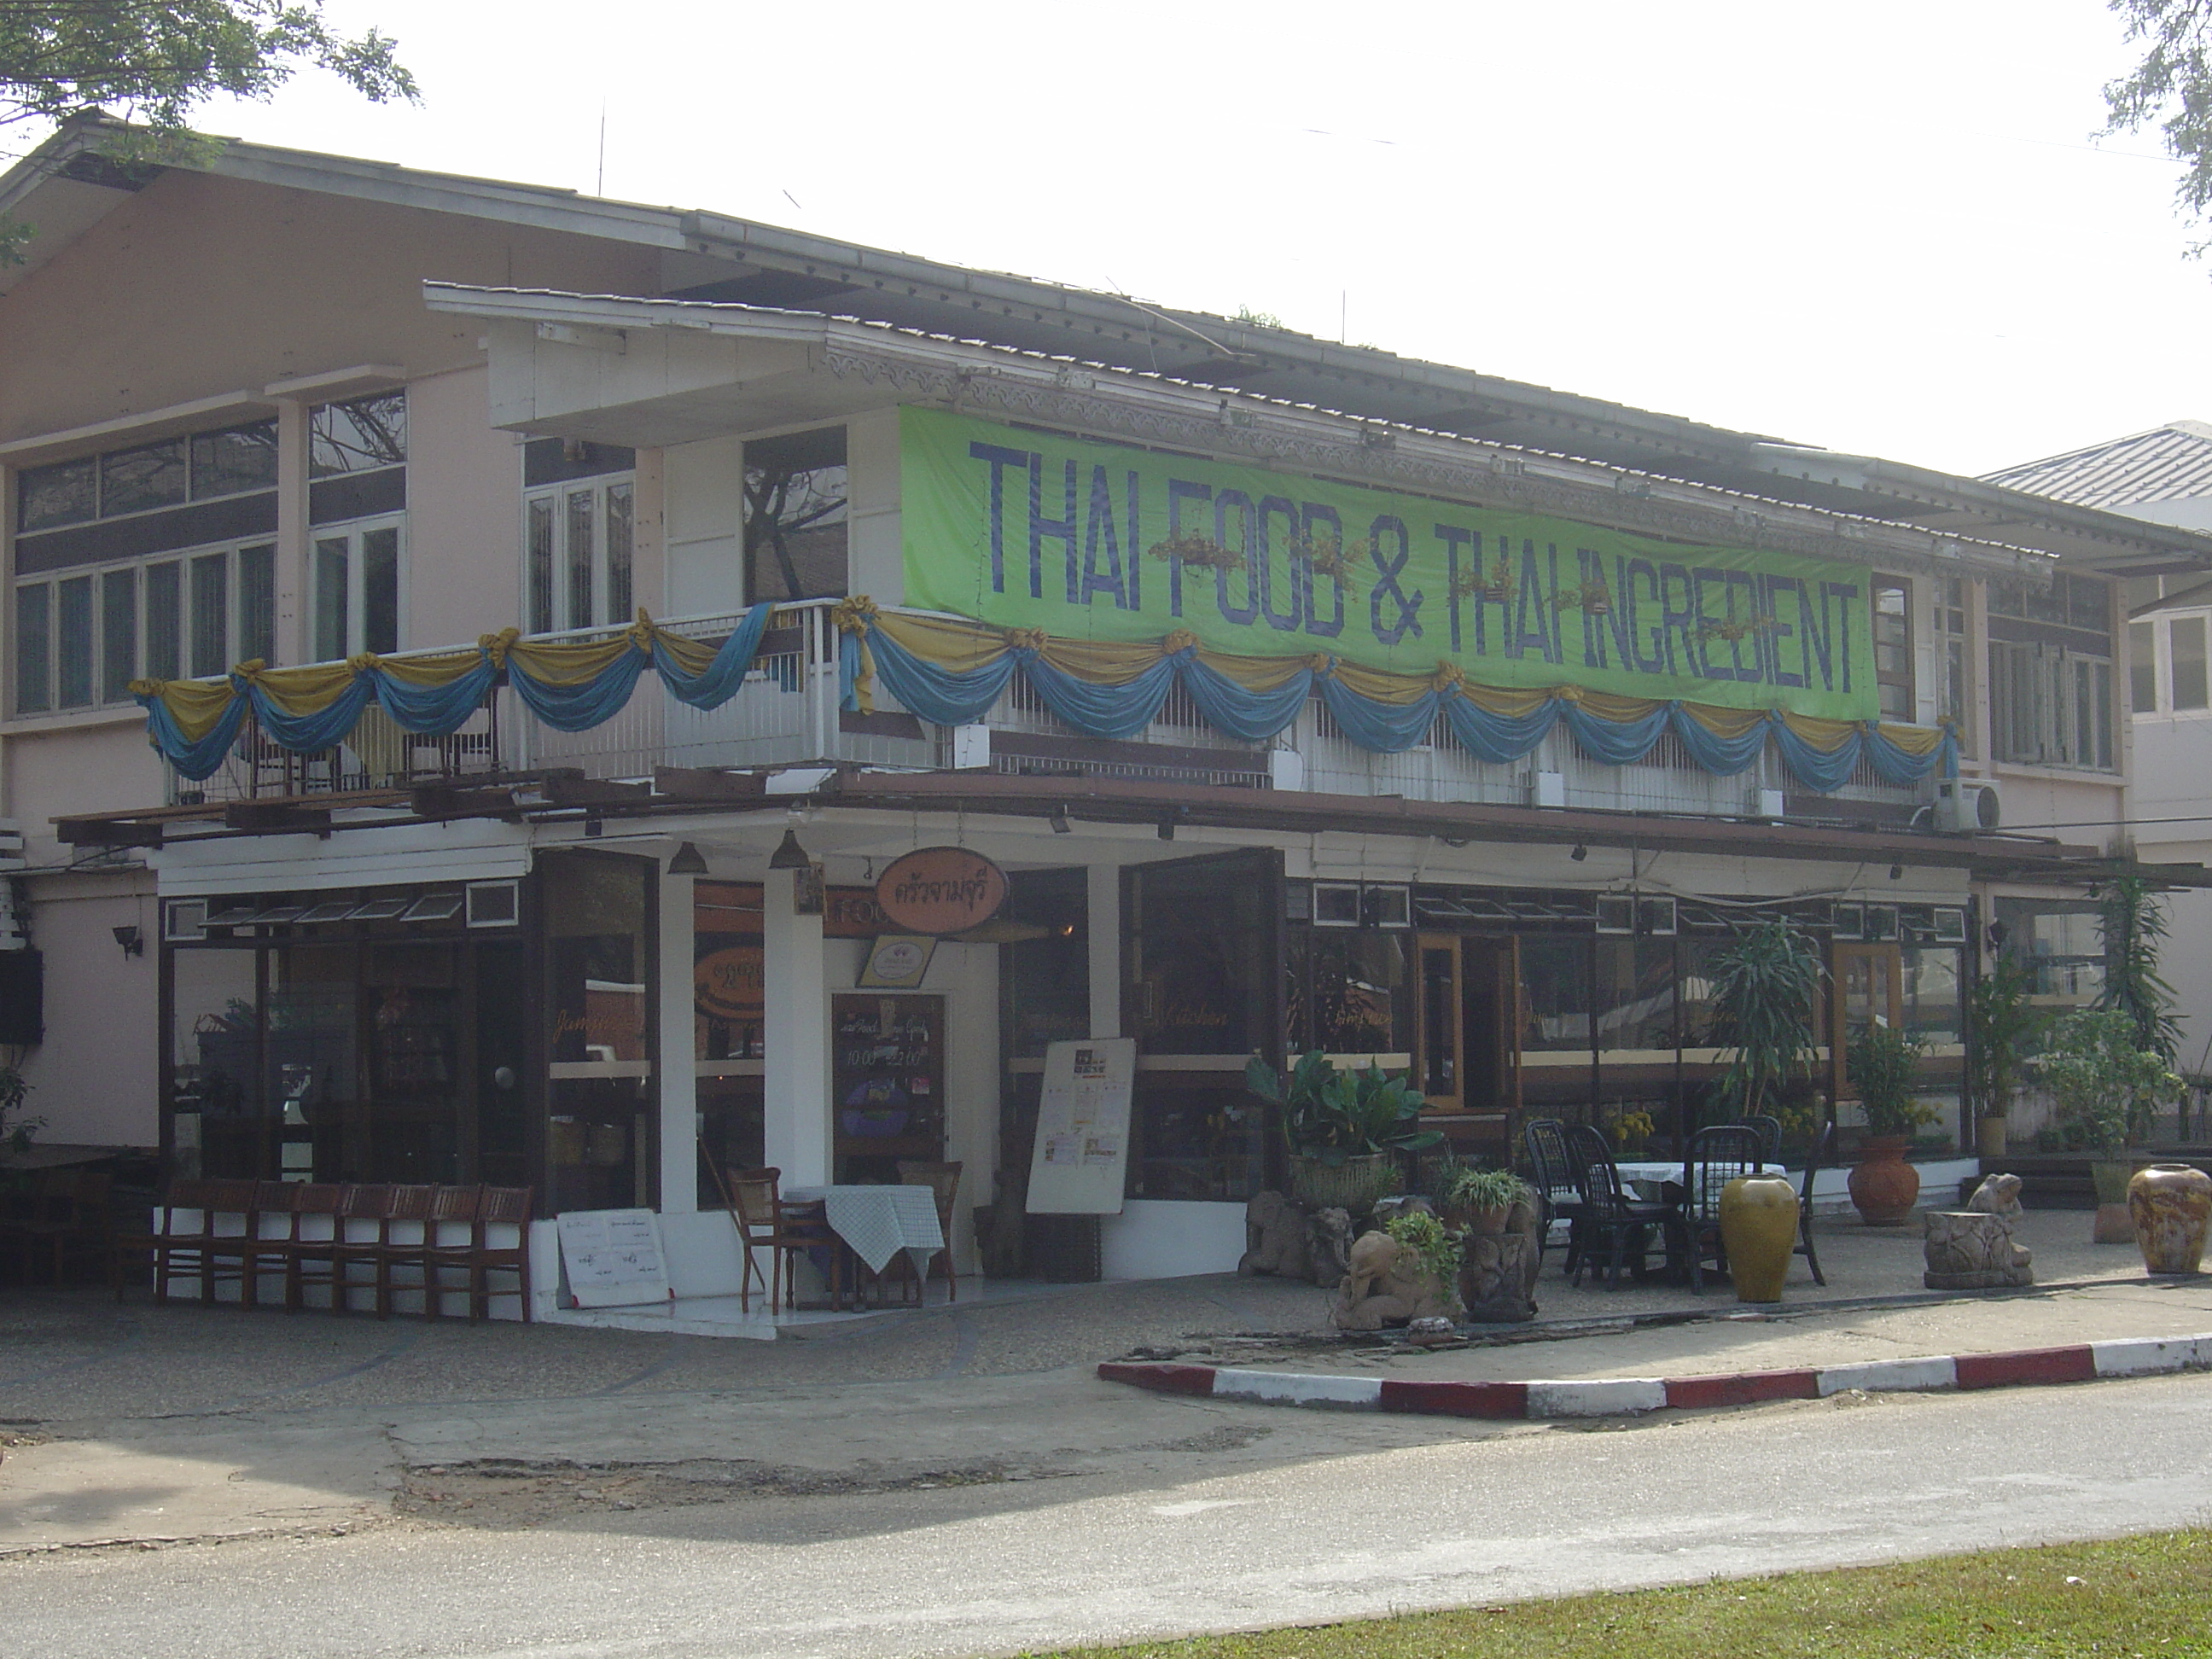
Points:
x=1882 y=1062
x=2004 y=1026
x=1344 y=1129
x=1766 y=990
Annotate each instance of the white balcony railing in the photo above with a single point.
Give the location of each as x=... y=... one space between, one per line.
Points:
x=787 y=714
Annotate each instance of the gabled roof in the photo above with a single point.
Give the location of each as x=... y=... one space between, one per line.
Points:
x=66 y=186
x=2169 y=463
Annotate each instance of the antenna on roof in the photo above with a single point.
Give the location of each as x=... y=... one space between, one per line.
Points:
x=601 y=188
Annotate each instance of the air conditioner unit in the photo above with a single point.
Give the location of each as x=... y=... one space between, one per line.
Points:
x=1547 y=789
x=1967 y=804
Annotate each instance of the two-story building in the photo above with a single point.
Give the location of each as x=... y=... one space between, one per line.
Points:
x=1304 y=696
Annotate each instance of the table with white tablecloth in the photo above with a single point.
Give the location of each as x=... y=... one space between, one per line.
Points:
x=1648 y=1176
x=877 y=1223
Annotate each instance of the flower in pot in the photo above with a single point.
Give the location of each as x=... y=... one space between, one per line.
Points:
x=2004 y=1027
x=1881 y=1061
x=1481 y=1200
x=2108 y=1087
x=1344 y=1129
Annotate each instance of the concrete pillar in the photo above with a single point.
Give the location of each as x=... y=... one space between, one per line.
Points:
x=1104 y=934
x=796 y=1015
x=674 y=1063
x=294 y=636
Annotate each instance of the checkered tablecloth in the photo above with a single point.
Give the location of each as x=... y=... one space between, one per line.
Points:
x=1648 y=1177
x=879 y=1222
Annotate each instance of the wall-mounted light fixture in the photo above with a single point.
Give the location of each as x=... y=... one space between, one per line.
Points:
x=1897 y=872
x=1058 y=818
x=132 y=941
x=1580 y=853
x=687 y=861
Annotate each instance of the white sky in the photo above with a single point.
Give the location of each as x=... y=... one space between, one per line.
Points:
x=1880 y=227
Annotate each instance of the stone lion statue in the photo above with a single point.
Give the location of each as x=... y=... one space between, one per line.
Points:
x=1275 y=1238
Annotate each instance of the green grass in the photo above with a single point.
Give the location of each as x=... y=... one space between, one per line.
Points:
x=2146 y=1596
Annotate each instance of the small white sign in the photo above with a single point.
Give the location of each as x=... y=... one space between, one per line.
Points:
x=1082 y=1153
x=611 y=1258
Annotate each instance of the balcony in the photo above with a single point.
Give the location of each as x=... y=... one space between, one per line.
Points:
x=787 y=714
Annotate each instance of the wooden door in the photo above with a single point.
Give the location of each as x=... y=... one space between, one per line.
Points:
x=1468 y=1050
x=1869 y=983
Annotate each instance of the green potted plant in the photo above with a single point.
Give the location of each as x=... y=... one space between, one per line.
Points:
x=2004 y=1026
x=1481 y=1200
x=16 y=1129
x=2107 y=1087
x=1882 y=1062
x=1344 y=1129
x=1766 y=992
x=1427 y=1251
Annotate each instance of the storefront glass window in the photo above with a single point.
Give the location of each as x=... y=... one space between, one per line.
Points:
x=601 y=1085
x=1046 y=982
x=1355 y=992
x=728 y=1035
x=214 y=1040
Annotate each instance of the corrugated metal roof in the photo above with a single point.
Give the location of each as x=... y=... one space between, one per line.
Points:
x=2170 y=463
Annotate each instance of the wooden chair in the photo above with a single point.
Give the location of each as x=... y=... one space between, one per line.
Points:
x=503 y=1206
x=1822 y=1155
x=943 y=1182
x=201 y=1250
x=318 y=1242
x=450 y=1240
x=766 y=1222
x=402 y=1230
x=273 y=1237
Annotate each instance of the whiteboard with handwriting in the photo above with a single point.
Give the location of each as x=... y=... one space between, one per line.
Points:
x=611 y=1258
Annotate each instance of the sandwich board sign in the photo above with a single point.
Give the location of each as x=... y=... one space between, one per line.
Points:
x=611 y=1258
x=1082 y=1153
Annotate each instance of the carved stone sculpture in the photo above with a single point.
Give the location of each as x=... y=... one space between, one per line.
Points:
x=1998 y=1194
x=1275 y=1238
x=1328 y=1246
x=1497 y=1271
x=1386 y=1285
x=1972 y=1250
x=1387 y=1210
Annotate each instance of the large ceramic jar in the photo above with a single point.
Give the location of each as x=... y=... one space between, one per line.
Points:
x=2170 y=1204
x=1759 y=1230
x=1885 y=1189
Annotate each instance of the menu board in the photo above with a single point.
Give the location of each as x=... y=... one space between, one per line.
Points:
x=887 y=1079
x=611 y=1258
x=1082 y=1152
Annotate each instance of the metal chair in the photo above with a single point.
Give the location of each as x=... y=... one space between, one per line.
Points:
x=1717 y=1154
x=1822 y=1155
x=1614 y=1225
x=1558 y=1198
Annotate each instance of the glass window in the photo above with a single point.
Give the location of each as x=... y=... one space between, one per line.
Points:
x=538 y=551
x=1635 y=999
x=621 y=589
x=360 y=437
x=233 y=461
x=1045 y=994
x=1198 y=960
x=1355 y=984
x=1930 y=987
x=73 y=643
x=211 y=614
x=214 y=1066
x=119 y=634
x=257 y=604
x=583 y=521
x=1892 y=650
x=165 y=620
x=379 y=588
x=795 y=489
x=2142 y=667
x=135 y=480
x=1555 y=995
x=2189 y=684
x=33 y=648
x=331 y=585
x=67 y=492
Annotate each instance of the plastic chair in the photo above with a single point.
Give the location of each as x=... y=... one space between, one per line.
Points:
x=1822 y=1155
x=1614 y=1223
x=1557 y=1197
x=1717 y=1154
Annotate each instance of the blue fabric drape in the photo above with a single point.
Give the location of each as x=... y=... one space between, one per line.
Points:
x=326 y=727
x=1237 y=711
x=940 y=695
x=197 y=761
x=1103 y=711
x=721 y=679
x=436 y=710
x=1500 y=739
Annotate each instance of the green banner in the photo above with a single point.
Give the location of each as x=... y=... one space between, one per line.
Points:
x=1097 y=541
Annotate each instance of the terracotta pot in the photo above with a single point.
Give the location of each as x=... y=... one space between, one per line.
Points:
x=1352 y=1186
x=1759 y=1229
x=1990 y=1137
x=2114 y=1223
x=2170 y=1204
x=1885 y=1188
x=1487 y=1222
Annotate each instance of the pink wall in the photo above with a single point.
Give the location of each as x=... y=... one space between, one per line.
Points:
x=94 y=1079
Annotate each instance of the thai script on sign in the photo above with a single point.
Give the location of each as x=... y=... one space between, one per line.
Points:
x=941 y=889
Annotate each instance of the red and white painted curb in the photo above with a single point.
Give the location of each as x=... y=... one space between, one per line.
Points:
x=1619 y=1396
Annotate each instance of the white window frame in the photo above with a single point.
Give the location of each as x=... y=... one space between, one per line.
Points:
x=141 y=667
x=2161 y=625
x=356 y=629
x=558 y=612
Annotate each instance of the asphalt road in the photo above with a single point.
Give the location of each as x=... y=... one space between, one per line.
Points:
x=1476 y=1519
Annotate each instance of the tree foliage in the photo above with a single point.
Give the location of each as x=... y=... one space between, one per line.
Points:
x=2170 y=91
x=1766 y=992
x=2134 y=927
x=2107 y=1085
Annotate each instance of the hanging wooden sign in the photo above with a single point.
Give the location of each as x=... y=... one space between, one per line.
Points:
x=941 y=889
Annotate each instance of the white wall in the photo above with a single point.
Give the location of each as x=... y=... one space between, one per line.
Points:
x=94 y=1079
x=703 y=513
